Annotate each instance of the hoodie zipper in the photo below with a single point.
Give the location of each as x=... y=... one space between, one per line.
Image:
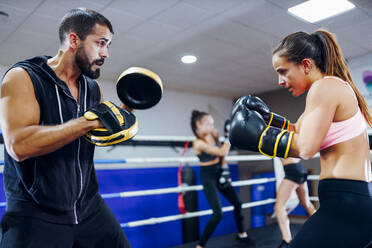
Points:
x=80 y=171
x=78 y=158
x=68 y=94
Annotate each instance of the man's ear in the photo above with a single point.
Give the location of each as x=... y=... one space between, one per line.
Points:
x=307 y=65
x=73 y=40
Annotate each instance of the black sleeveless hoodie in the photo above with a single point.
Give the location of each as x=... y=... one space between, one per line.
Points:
x=59 y=187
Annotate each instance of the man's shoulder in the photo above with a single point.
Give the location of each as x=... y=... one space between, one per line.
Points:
x=29 y=66
x=26 y=65
x=37 y=60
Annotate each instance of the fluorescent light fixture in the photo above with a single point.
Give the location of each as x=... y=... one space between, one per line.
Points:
x=316 y=10
x=189 y=59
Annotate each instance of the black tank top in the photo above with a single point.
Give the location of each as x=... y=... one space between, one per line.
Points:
x=205 y=157
x=61 y=186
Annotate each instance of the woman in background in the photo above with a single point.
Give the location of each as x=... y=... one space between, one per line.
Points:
x=295 y=179
x=214 y=175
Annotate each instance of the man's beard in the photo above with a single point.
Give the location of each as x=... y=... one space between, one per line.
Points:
x=82 y=62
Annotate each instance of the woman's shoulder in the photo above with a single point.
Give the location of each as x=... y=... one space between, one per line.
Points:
x=330 y=82
x=327 y=82
x=323 y=94
x=200 y=143
x=197 y=142
x=329 y=88
x=332 y=93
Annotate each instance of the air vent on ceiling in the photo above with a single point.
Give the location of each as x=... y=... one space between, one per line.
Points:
x=3 y=16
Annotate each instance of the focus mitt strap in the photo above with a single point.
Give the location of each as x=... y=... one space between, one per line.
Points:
x=119 y=124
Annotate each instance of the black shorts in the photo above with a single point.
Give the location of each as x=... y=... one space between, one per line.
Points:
x=295 y=172
x=99 y=230
x=344 y=218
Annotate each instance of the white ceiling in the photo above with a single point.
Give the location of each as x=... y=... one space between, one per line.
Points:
x=232 y=39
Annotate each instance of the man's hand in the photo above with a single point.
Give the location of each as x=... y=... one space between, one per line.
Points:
x=118 y=124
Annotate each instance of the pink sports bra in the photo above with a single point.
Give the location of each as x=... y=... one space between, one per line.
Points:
x=344 y=130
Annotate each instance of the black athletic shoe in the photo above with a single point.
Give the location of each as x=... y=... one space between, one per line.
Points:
x=283 y=244
x=247 y=240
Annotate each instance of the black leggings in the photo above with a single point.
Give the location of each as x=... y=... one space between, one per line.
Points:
x=295 y=172
x=344 y=219
x=209 y=177
x=97 y=231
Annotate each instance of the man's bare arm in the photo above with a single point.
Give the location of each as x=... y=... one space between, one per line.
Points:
x=20 y=115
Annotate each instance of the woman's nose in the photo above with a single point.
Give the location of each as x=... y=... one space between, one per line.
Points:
x=281 y=82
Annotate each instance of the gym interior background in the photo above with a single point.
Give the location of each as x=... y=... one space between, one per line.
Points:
x=232 y=40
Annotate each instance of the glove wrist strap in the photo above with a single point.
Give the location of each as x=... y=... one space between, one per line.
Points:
x=279 y=121
x=275 y=142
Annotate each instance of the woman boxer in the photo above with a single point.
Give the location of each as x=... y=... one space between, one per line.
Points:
x=334 y=122
x=295 y=179
x=214 y=174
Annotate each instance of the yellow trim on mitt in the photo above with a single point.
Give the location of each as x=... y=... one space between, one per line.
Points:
x=105 y=140
x=143 y=71
x=90 y=116
x=116 y=112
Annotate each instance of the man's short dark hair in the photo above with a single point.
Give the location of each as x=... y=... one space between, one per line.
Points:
x=81 y=21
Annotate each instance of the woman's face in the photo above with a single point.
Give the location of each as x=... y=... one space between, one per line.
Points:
x=205 y=125
x=290 y=75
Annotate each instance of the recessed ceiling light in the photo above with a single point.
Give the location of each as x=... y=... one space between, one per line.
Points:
x=316 y=10
x=189 y=59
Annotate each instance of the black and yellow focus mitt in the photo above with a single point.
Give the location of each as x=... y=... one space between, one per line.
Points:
x=119 y=124
x=139 y=88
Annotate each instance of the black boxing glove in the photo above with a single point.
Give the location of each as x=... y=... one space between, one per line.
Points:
x=224 y=180
x=249 y=131
x=255 y=103
x=226 y=129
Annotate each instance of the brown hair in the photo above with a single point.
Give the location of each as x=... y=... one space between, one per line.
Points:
x=81 y=21
x=322 y=47
x=196 y=116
